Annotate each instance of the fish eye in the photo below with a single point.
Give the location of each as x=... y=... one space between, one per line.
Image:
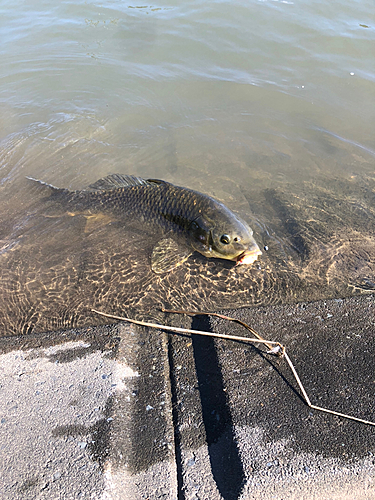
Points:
x=225 y=239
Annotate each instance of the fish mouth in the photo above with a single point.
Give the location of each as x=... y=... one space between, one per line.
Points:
x=248 y=257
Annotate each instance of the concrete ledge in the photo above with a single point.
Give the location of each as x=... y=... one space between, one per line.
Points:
x=80 y=422
x=120 y=412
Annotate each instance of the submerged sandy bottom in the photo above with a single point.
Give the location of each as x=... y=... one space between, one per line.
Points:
x=317 y=241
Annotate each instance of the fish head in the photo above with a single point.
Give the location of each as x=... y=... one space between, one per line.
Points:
x=225 y=238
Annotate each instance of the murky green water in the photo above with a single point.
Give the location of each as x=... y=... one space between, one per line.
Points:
x=267 y=105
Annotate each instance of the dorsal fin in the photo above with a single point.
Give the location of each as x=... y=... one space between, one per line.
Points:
x=157 y=181
x=114 y=181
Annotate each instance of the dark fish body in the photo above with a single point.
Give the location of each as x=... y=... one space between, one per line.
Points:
x=199 y=221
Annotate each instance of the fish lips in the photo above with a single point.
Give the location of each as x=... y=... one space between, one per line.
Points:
x=248 y=256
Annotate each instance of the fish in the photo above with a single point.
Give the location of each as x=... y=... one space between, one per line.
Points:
x=189 y=220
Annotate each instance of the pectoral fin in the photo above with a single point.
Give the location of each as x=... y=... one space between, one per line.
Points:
x=168 y=254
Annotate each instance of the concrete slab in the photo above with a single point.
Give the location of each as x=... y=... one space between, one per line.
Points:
x=123 y=412
x=87 y=417
x=252 y=436
x=49 y=414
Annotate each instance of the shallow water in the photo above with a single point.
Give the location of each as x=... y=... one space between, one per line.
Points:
x=267 y=105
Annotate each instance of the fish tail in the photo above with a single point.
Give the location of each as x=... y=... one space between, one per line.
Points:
x=50 y=190
x=65 y=199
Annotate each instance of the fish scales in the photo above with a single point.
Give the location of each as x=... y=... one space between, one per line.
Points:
x=170 y=206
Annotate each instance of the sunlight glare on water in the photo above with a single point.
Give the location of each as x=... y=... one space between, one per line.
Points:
x=155 y=89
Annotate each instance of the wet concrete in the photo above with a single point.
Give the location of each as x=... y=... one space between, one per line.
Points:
x=123 y=412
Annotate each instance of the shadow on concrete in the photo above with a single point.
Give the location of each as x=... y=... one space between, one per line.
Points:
x=225 y=459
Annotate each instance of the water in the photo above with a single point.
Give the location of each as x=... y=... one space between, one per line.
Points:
x=267 y=105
